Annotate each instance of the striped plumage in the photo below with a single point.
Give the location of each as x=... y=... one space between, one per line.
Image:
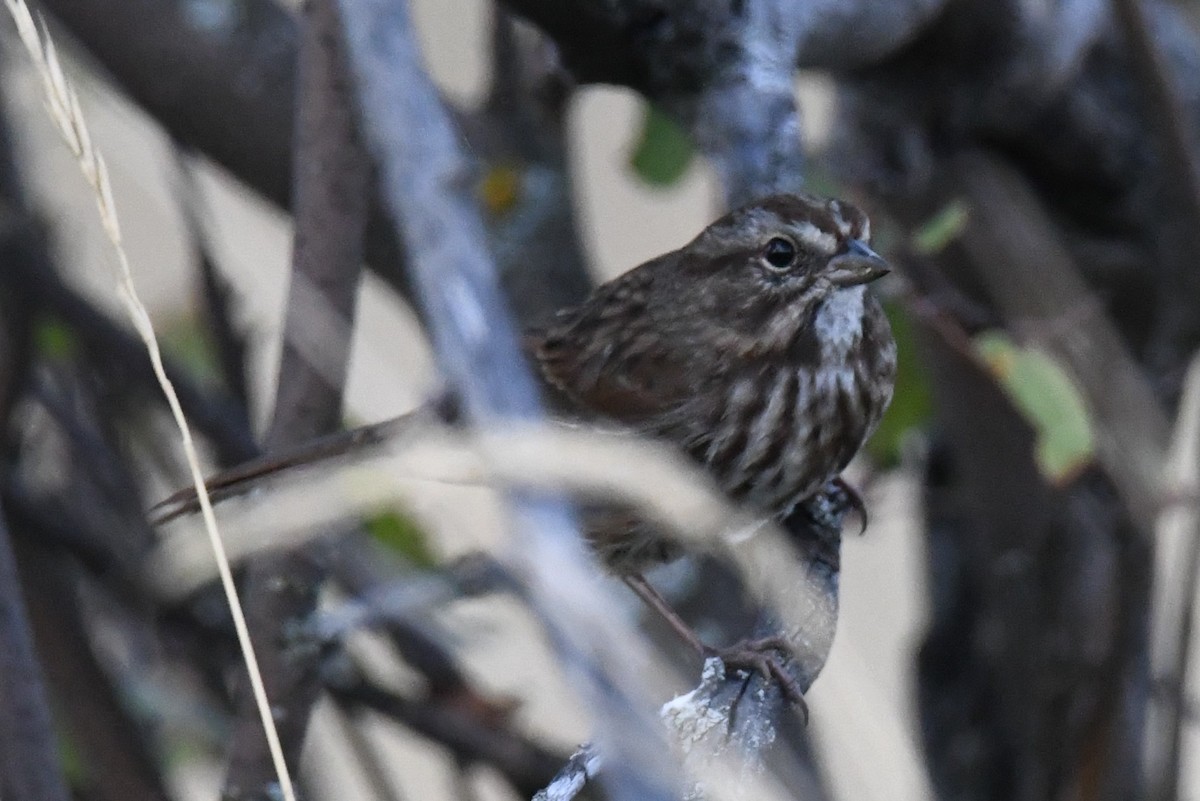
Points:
x=756 y=348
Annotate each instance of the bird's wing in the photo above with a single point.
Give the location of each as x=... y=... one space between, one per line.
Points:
x=630 y=380
x=608 y=358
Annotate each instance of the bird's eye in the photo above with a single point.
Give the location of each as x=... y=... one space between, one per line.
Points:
x=780 y=253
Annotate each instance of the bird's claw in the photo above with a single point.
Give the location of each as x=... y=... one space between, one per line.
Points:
x=756 y=655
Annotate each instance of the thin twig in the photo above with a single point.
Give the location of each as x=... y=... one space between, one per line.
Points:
x=64 y=108
x=657 y=482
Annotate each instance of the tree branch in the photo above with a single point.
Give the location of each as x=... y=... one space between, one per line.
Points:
x=29 y=764
x=1174 y=134
x=1032 y=279
x=115 y=753
x=526 y=765
x=424 y=178
x=331 y=176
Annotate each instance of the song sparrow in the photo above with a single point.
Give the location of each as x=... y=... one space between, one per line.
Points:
x=755 y=348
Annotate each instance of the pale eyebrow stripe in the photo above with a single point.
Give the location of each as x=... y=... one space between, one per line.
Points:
x=815 y=238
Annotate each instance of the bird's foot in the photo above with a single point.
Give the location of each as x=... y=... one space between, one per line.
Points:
x=764 y=656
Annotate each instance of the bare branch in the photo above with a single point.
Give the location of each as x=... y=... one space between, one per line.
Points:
x=29 y=766
x=424 y=178
x=528 y=766
x=220 y=78
x=112 y=745
x=726 y=70
x=331 y=185
x=1173 y=618
x=331 y=174
x=519 y=136
x=655 y=47
x=1033 y=280
x=1174 y=133
x=581 y=768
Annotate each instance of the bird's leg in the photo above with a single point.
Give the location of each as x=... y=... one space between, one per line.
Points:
x=854 y=499
x=642 y=589
x=760 y=655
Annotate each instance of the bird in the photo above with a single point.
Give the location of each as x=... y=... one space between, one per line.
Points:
x=756 y=350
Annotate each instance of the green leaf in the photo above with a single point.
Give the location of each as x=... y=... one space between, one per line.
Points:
x=54 y=340
x=1048 y=399
x=941 y=229
x=912 y=403
x=663 y=151
x=73 y=766
x=400 y=533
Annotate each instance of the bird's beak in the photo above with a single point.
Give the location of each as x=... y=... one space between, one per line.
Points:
x=858 y=264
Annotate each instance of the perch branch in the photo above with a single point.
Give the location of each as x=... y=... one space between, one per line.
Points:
x=581 y=768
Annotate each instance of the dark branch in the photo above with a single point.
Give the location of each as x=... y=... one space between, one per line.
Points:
x=121 y=356
x=527 y=765
x=112 y=745
x=229 y=341
x=29 y=766
x=1174 y=136
x=220 y=78
x=331 y=184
